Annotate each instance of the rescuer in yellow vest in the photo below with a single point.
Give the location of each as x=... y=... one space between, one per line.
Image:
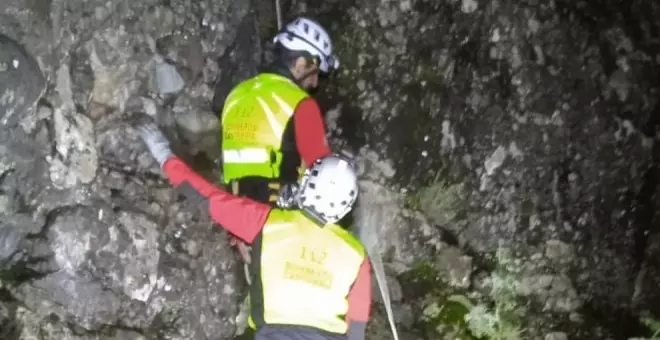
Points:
x=271 y=127
x=313 y=278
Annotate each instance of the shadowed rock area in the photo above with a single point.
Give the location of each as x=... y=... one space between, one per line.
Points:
x=507 y=149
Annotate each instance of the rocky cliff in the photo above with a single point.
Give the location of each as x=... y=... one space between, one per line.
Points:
x=507 y=152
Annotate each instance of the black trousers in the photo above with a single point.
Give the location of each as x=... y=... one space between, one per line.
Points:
x=286 y=332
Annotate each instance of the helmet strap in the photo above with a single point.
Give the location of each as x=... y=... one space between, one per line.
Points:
x=313 y=215
x=300 y=80
x=305 y=76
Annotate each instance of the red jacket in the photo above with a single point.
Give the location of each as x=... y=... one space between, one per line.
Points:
x=245 y=218
x=310 y=131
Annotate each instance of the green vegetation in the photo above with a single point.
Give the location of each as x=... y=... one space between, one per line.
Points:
x=450 y=312
x=411 y=201
x=448 y=317
x=441 y=313
x=6 y=278
x=14 y=275
x=653 y=325
x=440 y=199
x=502 y=321
x=167 y=320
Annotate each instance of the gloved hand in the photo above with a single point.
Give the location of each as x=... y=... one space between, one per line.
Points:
x=148 y=130
x=288 y=196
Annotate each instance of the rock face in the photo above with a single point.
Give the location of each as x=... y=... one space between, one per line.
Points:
x=507 y=151
x=94 y=244
x=523 y=126
x=22 y=82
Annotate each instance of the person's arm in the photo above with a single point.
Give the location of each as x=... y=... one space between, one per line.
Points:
x=359 y=303
x=310 y=131
x=242 y=217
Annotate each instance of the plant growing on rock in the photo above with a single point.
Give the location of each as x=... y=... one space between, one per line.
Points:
x=167 y=320
x=503 y=321
x=499 y=320
x=652 y=324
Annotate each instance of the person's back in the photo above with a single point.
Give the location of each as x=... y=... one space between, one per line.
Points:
x=312 y=278
x=306 y=273
x=254 y=120
x=271 y=127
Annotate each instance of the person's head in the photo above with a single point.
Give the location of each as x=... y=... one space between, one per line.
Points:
x=306 y=49
x=328 y=189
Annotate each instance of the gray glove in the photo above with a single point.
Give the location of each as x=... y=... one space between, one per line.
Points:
x=288 y=197
x=158 y=145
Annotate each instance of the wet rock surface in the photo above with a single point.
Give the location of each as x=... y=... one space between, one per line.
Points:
x=507 y=152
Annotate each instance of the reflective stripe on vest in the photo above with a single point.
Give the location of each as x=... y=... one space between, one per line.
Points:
x=247 y=155
x=254 y=118
x=306 y=272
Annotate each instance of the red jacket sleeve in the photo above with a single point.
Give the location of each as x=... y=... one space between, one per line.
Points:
x=242 y=217
x=359 y=302
x=310 y=131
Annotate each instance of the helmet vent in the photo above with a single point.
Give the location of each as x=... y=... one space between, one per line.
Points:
x=328 y=189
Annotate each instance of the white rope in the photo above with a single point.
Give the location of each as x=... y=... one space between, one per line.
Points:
x=278 y=12
x=368 y=216
x=379 y=270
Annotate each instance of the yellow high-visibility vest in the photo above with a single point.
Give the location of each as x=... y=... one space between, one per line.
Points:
x=304 y=273
x=254 y=118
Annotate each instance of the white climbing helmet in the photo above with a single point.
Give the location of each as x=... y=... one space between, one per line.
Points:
x=303 y=34
x=328 y=189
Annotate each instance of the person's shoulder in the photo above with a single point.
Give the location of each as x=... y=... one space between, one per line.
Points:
x=283 y=214
x=308 y=105
x=349 y=239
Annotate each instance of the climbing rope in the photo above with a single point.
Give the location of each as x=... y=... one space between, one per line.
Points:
x=368 y=216
x=278 y=13
x=381 y=278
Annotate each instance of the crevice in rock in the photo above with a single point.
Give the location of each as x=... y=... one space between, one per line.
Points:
x=10 y=328
x=132 y=173
x=106 y=330
x=481 y=263
x=620 y=322
x=50 y=218
x=232 y=72
x=23 y=271
x=645 y=209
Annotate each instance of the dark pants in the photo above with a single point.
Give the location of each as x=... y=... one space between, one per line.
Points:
x=284 y=332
